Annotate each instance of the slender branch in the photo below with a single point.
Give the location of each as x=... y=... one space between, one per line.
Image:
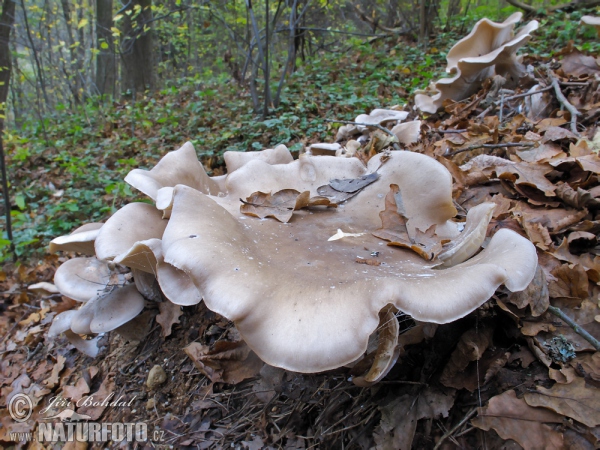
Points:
x=526 y=94
x=475 y=147
x=437 y=130
x=563 y=101
x=577 y=328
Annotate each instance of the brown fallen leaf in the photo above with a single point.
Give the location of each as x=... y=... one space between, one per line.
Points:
x=513 y=419
x=471 y=347
x=368 y=261
x=387 y=349
x=169 y=316
x=393 y=229
x=101 y=397
x=399 y=417
x=576 y=400
x=227 y=362
x=53 y=380
x=576 y=64
x=76 y=393
x=282 y=204
x=535 y=295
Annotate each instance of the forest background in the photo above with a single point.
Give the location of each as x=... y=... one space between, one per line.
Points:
x=92 y=89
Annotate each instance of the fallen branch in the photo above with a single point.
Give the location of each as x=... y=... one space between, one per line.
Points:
x=567 y=7
x=475 y=147
x=577 y=328
x=563 y=101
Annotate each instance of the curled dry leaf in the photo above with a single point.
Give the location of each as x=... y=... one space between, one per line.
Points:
x=576 y=400
x=535 y=295
x=226 y=362
x=282 y=204
x=387 y=349
x=513 y=419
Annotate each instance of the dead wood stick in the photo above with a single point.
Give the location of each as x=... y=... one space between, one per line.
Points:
x=452 y=430
x=577 y=328
x=437 y=130
x=475 y=147
x=563 y=101
x=526 y=94
x=374 y=125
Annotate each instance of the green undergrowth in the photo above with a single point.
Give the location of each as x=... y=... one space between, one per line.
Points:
x=69 y=169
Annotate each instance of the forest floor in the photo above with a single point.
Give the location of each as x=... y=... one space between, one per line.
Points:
x=512 y=374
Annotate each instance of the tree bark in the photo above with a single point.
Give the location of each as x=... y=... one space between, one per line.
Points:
x=76 y=86
x=106 y=64
x=567 y=7
x=137 y=47
x=7 y=20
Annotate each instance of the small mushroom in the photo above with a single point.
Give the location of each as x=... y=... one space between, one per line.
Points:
x=177 y=167
x=277 y=155
x=408 y=132
x=593 y=21
x=489 y=49
x=82 y=278
x=108 y=311
x=43 y=288
x=80 y=240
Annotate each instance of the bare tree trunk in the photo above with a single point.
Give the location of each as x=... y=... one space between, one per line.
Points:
x=75 y=84
x=137 y=47
x=423 y=22
x=106 y=64
x=38 y=65
x=7 y=20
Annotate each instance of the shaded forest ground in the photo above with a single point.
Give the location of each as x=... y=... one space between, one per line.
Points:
x=510 y=345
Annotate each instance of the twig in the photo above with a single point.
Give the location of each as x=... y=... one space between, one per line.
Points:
x=374 y=125
x=563 y=100
x=475 y=147
x=578 y=329
x=451 y=431
x=437 y=130
x=526 y=94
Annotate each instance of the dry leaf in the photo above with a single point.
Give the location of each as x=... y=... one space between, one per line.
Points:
x=101 y=399
x=535 y=295
x=393 y=229
x=169 y=316
x=54 y=380
x=575 y=400
x=513 y=419
x=280 y=205
x=226 y=362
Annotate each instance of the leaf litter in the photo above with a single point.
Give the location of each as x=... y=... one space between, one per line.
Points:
x=532 y=377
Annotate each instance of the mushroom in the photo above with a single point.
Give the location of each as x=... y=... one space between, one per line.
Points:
x=43 y=288
x=176 y=167
x=375 y=117
x=324 y=149
x=133 y=223
x=82 y=278
x=300 y=301
x=80 y=240
x=593 y=21
x=277 y=155
x=489 y=49
x=108 y=311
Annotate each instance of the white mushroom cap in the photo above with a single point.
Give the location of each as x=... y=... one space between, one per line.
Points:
x=593 y=21
x=175 y=284
x=177 y=167
x=408 y=132
x=277 y=155
x=80 y=240
x=133 y=223
x=61 y=323
x=379 y=117
x=290 y=291
x=108 y=311
x=82 y=278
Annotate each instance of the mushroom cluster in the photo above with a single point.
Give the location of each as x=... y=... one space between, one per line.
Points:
x=489 y=49
x=304 y=292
